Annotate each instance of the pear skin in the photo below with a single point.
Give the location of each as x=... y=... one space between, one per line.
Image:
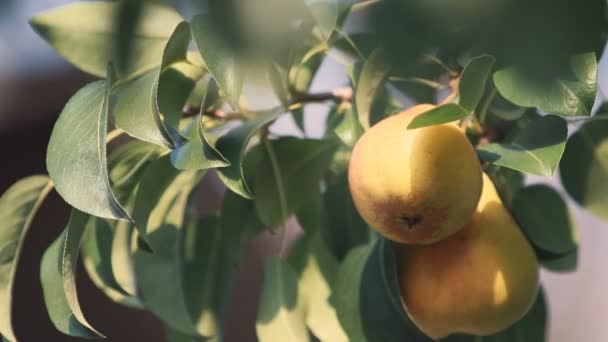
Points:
x=478 y=281
x=414 y=186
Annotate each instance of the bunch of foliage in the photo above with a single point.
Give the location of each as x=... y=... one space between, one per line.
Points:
x=129 y=150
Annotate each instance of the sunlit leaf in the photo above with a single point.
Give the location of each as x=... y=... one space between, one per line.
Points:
x=317 y=267
x=220 y=60
x=537 y=149
x=441 y=114
x=284 y=173
x=84 y=32
x=374 y=72
x=279 y=316
x=232 y=146
x=18 y=206
x=473 y=81
x=76 y=154
x=572 y=92
x=58 y=277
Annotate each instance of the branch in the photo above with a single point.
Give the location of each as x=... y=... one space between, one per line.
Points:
x=339 y=95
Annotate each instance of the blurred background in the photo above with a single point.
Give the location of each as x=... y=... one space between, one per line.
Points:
x=35 y=83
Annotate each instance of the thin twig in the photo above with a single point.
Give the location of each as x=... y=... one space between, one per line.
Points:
x=433 y=59
x=419 y=80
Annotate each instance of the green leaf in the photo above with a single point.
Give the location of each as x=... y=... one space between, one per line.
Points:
x=374 y=72
x=209 y=256
x=279 y=315
x=238 y=215
x=84 y=32
x=149 y=108
x=232 y=146
x=368 y=299
x=127 y=163
x=156 y=188
x=537 y=149
x=76 y=154
x=127 y=18
x=284 y=173
x=348 y=290
x=325 y=14
x=572 y=92
x=544 y=218
x=563 y=263
x=173 y=335
x=301 y=76
x=439 y=115
x=136 y=110
x=160 y=208
x=97 y=253
x=198 y=153
x=18 y=206
x=58 y=278
x=584 y=167
x=346 y=227
x=473 y=81
x=507 y=181
x=317 y=267
x=349 y=129
x=220 y=60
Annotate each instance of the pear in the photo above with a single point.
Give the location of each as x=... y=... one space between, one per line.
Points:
x=478 y=281
x=418 y=185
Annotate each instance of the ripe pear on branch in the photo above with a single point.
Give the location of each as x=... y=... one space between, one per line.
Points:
x=478 y=281
x=418 y=185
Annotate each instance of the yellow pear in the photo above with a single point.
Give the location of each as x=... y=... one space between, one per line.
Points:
x=478 y=281
x=418 y=185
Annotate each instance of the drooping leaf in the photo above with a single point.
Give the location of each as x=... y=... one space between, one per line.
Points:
x=537 y=149
x=572 y=92
x=317 y=267
x=18 y=206
x=127 y=163
x=584 y=167
x=349 y=129
x=197 y=153
x=58 y=277
x=441 y=114
x=220 y=60
x=158 y=178
x=374 y=72
x=238 y=214
x=562 y=263
x=473 y=81
x=232 y=146
x=127 y=18
x=325 y=14
x=544 y=218
x=209 y=255
x=367 y=296
x=160 y=208
x=97 y=251
x=76 y=154
x=284 y=173
x=83 y=33
x=347 y=292
x=279 y=315
x=149 y=108
x=301 y=76
x=346 y=227
x=136 y=110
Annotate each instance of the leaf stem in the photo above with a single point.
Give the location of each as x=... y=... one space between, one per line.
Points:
x=433 y=59
x=280 y=188
x=419 y=80
x=485 y=107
